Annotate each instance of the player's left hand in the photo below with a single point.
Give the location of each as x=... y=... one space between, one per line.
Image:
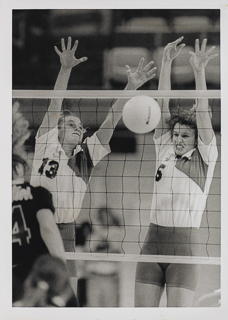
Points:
x=67 y=56
x=199 y=59
x=141 y=75
x=173 y=49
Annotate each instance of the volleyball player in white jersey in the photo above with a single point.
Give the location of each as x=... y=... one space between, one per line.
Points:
x=63 y=162
x=186 y=154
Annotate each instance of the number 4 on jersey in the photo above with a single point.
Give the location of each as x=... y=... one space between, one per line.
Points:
x=20 y=232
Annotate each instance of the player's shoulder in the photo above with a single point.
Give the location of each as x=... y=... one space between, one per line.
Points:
x=40 y=191
x=21 y=192
x=35 y=191
x=43 y=198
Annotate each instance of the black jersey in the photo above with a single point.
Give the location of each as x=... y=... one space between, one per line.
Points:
x=27 y=243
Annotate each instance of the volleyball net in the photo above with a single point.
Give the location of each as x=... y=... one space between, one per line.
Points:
x=115 y=213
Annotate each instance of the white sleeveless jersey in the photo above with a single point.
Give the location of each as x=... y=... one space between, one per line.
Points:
x=181 y=185
x=66 y=178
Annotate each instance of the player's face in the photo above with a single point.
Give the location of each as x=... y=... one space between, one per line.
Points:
x=71 y=131
x=184 y=139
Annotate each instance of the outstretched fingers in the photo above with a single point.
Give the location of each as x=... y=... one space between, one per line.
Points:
x=69 y=43
x=128 y=69
x=148 y=66
x=57 y=50
x=140 y=64
x=210 y=50
x=212 y=56
x=82 y=59
x=63 y=44
x=178 y=40
x=151 y=73
x=204 y=44
x=197 y=48
x=75 y=45
x=180 y=47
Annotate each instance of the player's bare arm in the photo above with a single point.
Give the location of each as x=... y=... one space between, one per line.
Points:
x=135 y=80
x=68 y=61
x=199 y=60
x=50 y=233
x=171 y=51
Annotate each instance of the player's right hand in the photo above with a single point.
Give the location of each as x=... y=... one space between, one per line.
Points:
x=67 y=56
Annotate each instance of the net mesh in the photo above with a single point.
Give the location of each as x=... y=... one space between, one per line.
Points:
x=115 y=213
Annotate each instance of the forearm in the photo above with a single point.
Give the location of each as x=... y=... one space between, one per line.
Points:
x=52 y=115
x=164 y=84
x=53 y=241
x=62 y=79
x=200 y=84
x=115 y=112
x=113 y=117
x=61 y=84
x=50 y=233
x=165 y=76
x=200 y=79
x=203 y=118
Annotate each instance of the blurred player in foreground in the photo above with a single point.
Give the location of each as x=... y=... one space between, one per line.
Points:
x=186 y=155
x=63 y=161
x=34 y=231
x=47 y=285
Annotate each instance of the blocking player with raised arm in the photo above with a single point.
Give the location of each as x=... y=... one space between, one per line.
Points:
x=34 y=231
x=186 y=154
x=63 y=161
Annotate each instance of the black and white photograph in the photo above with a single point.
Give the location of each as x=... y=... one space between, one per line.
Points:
x=114 y=146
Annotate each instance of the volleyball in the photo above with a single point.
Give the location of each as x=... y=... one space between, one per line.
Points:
x=141 y=114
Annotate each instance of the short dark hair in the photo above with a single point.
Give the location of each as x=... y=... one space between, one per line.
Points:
x=183 y=117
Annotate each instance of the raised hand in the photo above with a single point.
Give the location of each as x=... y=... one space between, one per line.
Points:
x=67 y=56
x=171 y=50
x=200 y=58
x=141 y=75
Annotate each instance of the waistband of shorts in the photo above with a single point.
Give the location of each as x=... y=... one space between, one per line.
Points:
x=62 y=224
x=175 y=230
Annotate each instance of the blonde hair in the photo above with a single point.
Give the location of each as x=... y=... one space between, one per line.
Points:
x=20 y=131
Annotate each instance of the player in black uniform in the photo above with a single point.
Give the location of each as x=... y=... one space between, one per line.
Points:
x=34 y=231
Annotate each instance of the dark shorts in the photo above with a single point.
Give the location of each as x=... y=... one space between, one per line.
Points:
x=169 y=241
x=67 y=231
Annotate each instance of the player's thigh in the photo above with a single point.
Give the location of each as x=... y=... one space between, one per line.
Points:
x=149 y=284
x=147 y=295
x=179 y=297
x=182 y=276
x=181 y=282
